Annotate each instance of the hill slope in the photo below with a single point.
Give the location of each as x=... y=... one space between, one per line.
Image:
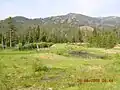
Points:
x=72 y=19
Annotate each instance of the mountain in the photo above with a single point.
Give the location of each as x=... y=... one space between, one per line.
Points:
x=22 y=23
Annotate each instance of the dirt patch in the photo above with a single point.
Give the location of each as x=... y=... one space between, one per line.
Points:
x=45 y=57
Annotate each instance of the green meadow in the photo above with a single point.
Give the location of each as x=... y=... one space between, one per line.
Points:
x=60 y=67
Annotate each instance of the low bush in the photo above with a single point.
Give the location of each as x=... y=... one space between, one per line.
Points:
x=38 y=66
x=59 y=49
x=64 y=49
x=18 y=46
x=35 y=45
x=1 y=46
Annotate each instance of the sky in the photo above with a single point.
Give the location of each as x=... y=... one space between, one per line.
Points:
x=46 y=8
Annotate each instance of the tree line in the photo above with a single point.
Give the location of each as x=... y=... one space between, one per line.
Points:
x=58 y=33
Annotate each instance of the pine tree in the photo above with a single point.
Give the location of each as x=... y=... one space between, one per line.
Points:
x=12 y=32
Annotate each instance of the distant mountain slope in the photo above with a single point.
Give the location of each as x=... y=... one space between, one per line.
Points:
x=72 y=18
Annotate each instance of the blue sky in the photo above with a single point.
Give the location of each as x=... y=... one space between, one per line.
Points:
x=45 y=8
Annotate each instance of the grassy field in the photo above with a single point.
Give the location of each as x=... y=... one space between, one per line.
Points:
x=60 y=67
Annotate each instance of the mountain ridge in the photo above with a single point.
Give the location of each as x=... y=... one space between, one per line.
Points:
x=74 y=19
x=63 y=15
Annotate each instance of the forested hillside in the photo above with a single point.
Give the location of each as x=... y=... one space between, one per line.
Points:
x=60 y=29
x=22 y=23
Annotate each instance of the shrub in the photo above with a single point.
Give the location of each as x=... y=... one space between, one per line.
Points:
x=38 y=66
x=34 y=45
x=59 y=49
x=1 y=46
x=19 y=46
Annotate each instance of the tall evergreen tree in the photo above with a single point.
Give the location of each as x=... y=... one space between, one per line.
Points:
x=12 y=32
